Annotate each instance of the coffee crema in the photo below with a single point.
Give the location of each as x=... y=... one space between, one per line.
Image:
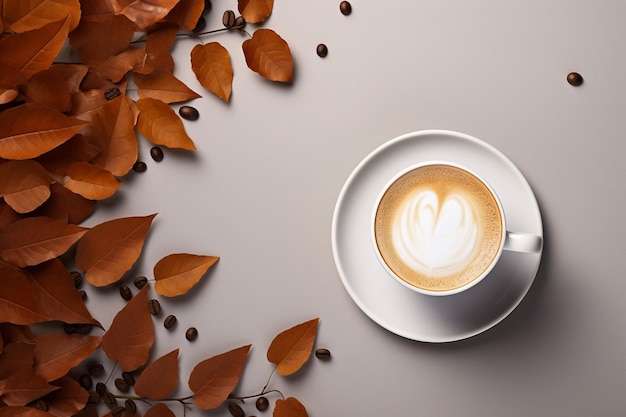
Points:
x=438 y=227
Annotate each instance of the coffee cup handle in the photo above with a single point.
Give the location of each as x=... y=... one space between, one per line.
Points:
x=522 y=242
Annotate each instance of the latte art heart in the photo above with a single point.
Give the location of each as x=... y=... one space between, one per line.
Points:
x=436 y=237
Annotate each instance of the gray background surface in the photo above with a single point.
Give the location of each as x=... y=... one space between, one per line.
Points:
x=261 y=189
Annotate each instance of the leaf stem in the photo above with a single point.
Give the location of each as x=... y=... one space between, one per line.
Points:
x=246 y=397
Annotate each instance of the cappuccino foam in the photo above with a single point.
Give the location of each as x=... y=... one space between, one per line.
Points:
x=438 y=227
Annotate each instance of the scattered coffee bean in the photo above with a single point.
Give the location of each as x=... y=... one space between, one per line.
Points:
x=140 y=282
x=118 y=411
x=111 y=93
x=207 y=6
x=94 y=397
x=156 y=153
x=77 y=277
x=228 y=19
x=155 y=307
x=236 y=410
x=574 y=79
x=191 y=334
x=128 y=377
x=39 y=404
x=322 y=50
x=96 y=370
x=83 y=295
x=240 y=23
x=101 y=388
x=140 y=166
x=121 y=384
x=322 y=354
x=109 y=400
x=262 y=403
x=200 y=25
x=125 y=292
x=345 y=7
x=130 y=406
x=188 y=112
x=169 y=322
x=85 y=381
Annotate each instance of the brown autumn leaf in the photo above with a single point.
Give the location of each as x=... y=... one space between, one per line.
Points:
x=14 y=333
x=25 y=185
x=159 y=123
x=159 y=410
x=56 y=295
x=115 y=67
x=34 y=240
x=160 y=378
x=289 y=407
x=48 y=87
x=18 y=302
x=7 y=216
x=16 y=356
x=76 y=149
x=66 y=206
x=213 y=379
x=57 y=353
x=90 y=181
x=131 y=334
x=143 y=12
x=21 y=16
x=35 y=50
x=23 y=411
x=177 y=273
x=23 y=387
x=164 y=86
x=111 y=248
x=32 y=129
x=159 y=42
x=68 y=400
x=291 y=348
x=186 y=13
x=269 y=55
x=100 y=36
x=255 y=11
x=211 y=65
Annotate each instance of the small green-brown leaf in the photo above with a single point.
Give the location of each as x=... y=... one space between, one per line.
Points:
x=177 y=273
x=291 y=348
x=269 y=55
x=211 y=64
x=160 y=378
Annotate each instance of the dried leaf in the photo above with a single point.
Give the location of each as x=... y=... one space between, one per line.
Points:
x=111 y=248
x=291 y=348
x=16 y=356
x=23 y=387
x=34 y=240
x=143 y=12
x=49 y=88
x=23 y=411
x=186 y=13
x=68 y=400
x=64 y=205
x=159 y=123
x=90 y=181
x=289 y=407
x=35 y=50
x=25 y=185
x=33 y=129
x=18 y=303
x=76 y=149
x=57 y=353
x=22 y=16
x=269 y=55
x=115 y=67
x=159 y=410
x=159 y=42
x=177 y=273
x=211 y=64
x=213 y=379
x=159 y=378
x=131 y=335
x=163 y=86
x=100 y=36
x=255 y=11
x=14 y=333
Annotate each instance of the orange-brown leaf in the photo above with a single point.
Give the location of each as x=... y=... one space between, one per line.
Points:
x=25 y=185
x=57 y=353
x=213 y=379
x=159 y=123
x=66 y=206
x=33 y=129
x=269 y=55
x=23 y=387
x=143 y=12
x=177 y=273
x=163 y=86
x=211 y=64
x=100 y=36
x=160 y=378
x=90 y=181
x=24 y=15
x=255 y=11
x=16 y=356
x=35 y=50
x=159 y=410
x=115 y=67
x=18 y=303
x=186 y=13
x=291 y=348
x=76 y=149
x=34 y=240
x=159 y=42
x=23 y=411
x=131 y=334
x=111 y=248
x=68 y=400
x=289 y=407
x=48 y=88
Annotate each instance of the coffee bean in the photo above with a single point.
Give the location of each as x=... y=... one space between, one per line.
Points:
x=122 y=385
x=77 y=277
x=155 y=307
x=240 y=23
x=188 y=112
x=128 y=377
x=322 y=354
x=236 y=410
x=118 y=411
x=345 y=7
x=125 y=292
x=85 y=381
x=109 y=400
x=101 y=388
x=228 y=19
x=574 y=79
x=140 y=166
x=80 y=328
x=94 y=397
x=140 y=282
x=111 y=93
x=169 y=322
x=200 y=24
x=156 y=153
x=83 y=295
x=322 y=50
x=207 y=6
x=130 y=406
x=262 y=403
x=96 y=370
x=191 y=333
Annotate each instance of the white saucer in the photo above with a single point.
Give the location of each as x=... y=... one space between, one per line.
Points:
x=401 y=310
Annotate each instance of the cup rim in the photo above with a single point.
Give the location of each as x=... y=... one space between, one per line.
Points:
x=417 y=289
